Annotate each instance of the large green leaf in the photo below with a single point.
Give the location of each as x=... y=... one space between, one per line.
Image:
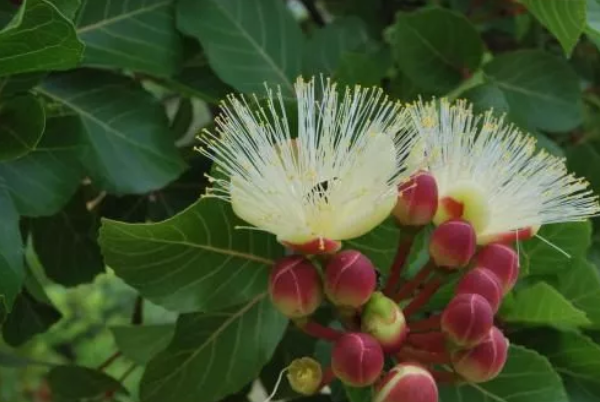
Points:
x=139 y=35
x=575 y=356
x=76 y=383
x=29 y=317
x=247 y=43
x=582 y=159
x=541 y=304
x=22 y=121
x=541 y=89
x=38 y=38
x=527 y=377
x=379 y=245
x=434 y=47
x=565 y=19
x=194 y=261
x=326 y=47
x=540 y=258
x=197 y=79
x=141 y=343
x=12 y=272
x=130 y=146
x=366 y=67
x=18 y=84
x=580 y=284
x=213 y=355
x=66 y=245
x=592 y=29
x=44 y=180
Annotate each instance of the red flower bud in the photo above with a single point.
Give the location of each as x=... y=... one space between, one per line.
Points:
x=295 y=286
x=316 y=246
x=483 y=282
x=384 y=320
x=350 y=279
x=503 y=261
x=467 y=319
x=407 y=383
x=485 y=361
x=452 y=244
x=417 y=200
x=357 y=359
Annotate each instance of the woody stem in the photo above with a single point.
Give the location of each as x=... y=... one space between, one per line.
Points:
x=402 y=252
x=317 y=330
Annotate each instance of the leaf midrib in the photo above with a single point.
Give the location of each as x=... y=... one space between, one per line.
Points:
x=120 y=17
x=204 y=247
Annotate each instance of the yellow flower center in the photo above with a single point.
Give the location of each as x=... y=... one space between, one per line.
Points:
x=464 y=200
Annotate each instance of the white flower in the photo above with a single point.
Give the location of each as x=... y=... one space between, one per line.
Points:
x=490 y=174
x=336 y=180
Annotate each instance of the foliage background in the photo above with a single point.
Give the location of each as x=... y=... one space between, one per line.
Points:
x=100 y=101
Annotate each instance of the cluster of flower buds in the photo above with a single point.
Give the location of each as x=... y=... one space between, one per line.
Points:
x=380 y=323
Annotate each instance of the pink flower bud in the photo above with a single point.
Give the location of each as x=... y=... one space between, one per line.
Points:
x=503 y=261
x=485 y=361
x=305 y=375
x=384 y=320
x=316 y=246
x=295 y=287
x=467 y=319
x=350 y=279
x=407 y=382
x=357 y=359
x=452 y=244
x=417 y=200
x=483 y=282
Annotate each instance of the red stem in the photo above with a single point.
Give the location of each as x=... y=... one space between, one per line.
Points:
x=445 y=377
x=434 y=342
x=420 y=356
x=328 y=377
x=428 y=324
x=424 y=296
x=408 y=289
x=402 y=253
x=317 y=330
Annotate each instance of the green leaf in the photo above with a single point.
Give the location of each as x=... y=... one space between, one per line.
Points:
x=197 y=79
x=575 y=356
x=66 y=245
x=28 y=318
x=540 y=258
x=365 y=68
x=541 y=304
x=487 y=96
x=44 y=180
x=38 y=38
x=328 y=45
x=527 y=377
x=565 y=19
x=363 y=394
x=582 y=159
x=18 y=84
x=581 y=285
x=130 y=147
x=247 y=43
x=73 y=383
x=434 y=47
x=380 y=244
x=193 y=261
x=12 y=272
x=213 y=355
x=541 y=89
x=68 y=7
x=22 y=122
x=142 y=343
x=139 y=35
x=592 y=29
